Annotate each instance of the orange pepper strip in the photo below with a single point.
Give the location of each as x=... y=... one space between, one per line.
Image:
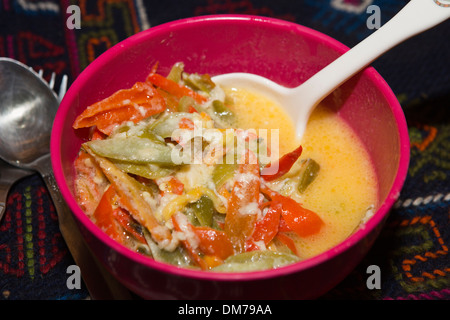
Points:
x=239 y=225
x=174 y=88
x=302 y=221
x=186 y=123
x=266 y=228
x=284 y=164
x=106 y=122
x=135 y=104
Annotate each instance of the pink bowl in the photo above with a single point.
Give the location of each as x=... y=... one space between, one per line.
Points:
x=288 y=54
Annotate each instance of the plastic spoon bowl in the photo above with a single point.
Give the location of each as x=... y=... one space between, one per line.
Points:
x=416 y=17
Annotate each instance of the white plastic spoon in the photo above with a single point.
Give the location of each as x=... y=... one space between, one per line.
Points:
x=416 y=17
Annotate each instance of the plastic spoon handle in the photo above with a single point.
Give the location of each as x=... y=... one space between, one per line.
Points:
x=416 y=17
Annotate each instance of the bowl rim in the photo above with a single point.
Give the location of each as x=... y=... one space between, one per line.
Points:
x=377 y=218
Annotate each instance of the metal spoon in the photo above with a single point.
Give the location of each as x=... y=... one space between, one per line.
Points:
x=417 y=16
x=28 y=108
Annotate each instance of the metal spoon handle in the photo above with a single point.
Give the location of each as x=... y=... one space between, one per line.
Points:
x=416 y=17
x=100 y=284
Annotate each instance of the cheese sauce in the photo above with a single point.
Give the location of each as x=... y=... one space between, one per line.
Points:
x=346 y=187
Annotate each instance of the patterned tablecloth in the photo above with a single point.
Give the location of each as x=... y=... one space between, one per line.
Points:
x=412 y=250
